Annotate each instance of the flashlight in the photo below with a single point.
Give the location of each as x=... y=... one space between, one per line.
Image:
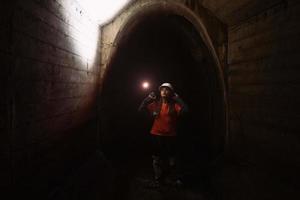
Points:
x=145 y=85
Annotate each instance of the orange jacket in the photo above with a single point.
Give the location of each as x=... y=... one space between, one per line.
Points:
x=166 y=115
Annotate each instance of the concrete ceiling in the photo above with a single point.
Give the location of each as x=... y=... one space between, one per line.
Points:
x=233 y=12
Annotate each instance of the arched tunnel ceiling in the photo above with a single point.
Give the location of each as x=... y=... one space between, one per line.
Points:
x=232 y=12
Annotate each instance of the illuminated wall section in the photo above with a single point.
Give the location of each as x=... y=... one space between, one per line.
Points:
x=83 y=32
x=53 y=80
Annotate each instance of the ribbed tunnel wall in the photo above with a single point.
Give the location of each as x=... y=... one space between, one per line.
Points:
x=48 y=93
x=263 y=77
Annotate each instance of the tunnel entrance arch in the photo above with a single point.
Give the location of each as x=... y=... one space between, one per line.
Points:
x=198 y=45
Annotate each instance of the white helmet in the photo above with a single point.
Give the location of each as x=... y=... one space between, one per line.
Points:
x=168 y=85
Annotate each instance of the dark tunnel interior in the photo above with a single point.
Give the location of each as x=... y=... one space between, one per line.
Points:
x=71 y=85
x=158 y=49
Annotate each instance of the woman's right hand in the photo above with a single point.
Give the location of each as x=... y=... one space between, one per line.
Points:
x=152 y=95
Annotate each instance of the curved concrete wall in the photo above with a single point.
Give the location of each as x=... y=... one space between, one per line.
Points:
x=210 y=29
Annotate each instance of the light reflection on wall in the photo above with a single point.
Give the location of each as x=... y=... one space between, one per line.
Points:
x=102 y=10
x=84 y=17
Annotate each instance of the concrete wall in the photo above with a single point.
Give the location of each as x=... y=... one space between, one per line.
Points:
x=216 y=28
x=49 y=85
x=234 y=12
x=5 y=115
x=264 y=85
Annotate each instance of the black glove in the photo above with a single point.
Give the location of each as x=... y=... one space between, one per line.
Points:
x=150 y=97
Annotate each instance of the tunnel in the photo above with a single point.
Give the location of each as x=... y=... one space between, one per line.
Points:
x=163 y=48
x=71 y=85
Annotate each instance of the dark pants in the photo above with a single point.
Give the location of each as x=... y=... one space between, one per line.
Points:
x=163 y=157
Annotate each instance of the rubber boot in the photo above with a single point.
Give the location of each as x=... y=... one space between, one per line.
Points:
x=157 y=168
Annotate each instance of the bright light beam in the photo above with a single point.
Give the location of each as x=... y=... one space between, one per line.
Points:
x=145 y=85
x=102 y=10
x=84 y=31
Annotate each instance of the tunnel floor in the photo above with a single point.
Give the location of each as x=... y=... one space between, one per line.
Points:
x=126 y=180
x=138 y=178
x=129 y=180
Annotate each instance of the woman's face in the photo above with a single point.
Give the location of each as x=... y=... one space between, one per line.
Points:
x=165 y=92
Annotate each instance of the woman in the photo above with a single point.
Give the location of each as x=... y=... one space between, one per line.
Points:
x=165 y=110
